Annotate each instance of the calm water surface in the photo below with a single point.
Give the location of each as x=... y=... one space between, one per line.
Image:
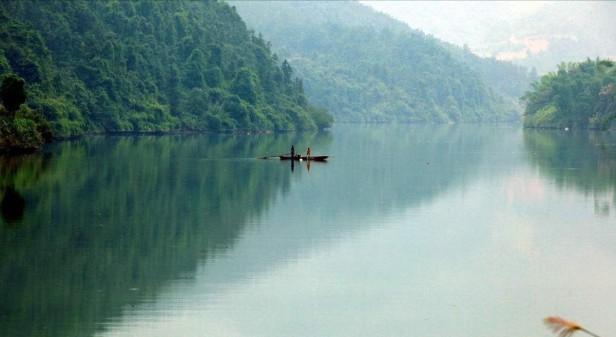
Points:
x=469 y=231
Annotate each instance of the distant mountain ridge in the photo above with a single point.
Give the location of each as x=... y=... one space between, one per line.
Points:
x=365 y=66
x=535 y=34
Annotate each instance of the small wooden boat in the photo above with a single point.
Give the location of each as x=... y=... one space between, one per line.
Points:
x=298 y=157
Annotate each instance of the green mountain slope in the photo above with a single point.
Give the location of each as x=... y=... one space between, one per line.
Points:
x=507 y=79
x=578 y=95
x=114 y=66
x=366 y=66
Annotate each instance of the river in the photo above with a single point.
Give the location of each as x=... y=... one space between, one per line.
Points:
x=432 y=231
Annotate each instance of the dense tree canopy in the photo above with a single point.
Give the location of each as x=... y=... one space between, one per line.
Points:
x=95 y=66
x=365 y=66
x=22 y=129
x=578 y=95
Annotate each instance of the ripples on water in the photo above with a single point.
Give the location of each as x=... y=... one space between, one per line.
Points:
x=407 y=231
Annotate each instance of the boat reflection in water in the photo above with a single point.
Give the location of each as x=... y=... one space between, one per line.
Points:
x=319 y=159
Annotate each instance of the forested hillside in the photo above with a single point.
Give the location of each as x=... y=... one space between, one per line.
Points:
x=366 y=66
x=147 y=66
x=509 y=80
x=578 y=95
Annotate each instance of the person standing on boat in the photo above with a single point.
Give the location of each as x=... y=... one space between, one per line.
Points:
x=308 y=153
x=292 y=152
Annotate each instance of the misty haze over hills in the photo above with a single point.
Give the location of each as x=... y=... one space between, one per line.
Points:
x=533 y=34
x=362 y=65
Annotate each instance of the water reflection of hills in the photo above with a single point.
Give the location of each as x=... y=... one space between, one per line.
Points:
x=17 y=173
x=397 y=167
x=108 y=221
x=581 y=160
x=375 y=172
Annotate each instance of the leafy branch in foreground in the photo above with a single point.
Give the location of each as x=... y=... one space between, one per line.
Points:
x=563 y=327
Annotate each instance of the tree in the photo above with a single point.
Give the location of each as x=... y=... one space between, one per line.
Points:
x=12 y=92
x=245 y=85
x=215 y=55
x=213 y=77
x=287 y=71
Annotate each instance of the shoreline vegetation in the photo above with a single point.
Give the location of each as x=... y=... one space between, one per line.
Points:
x=90 y=67
x=577 y=96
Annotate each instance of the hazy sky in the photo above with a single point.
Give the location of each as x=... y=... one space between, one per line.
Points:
x=532 y=33
x=459 y=22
